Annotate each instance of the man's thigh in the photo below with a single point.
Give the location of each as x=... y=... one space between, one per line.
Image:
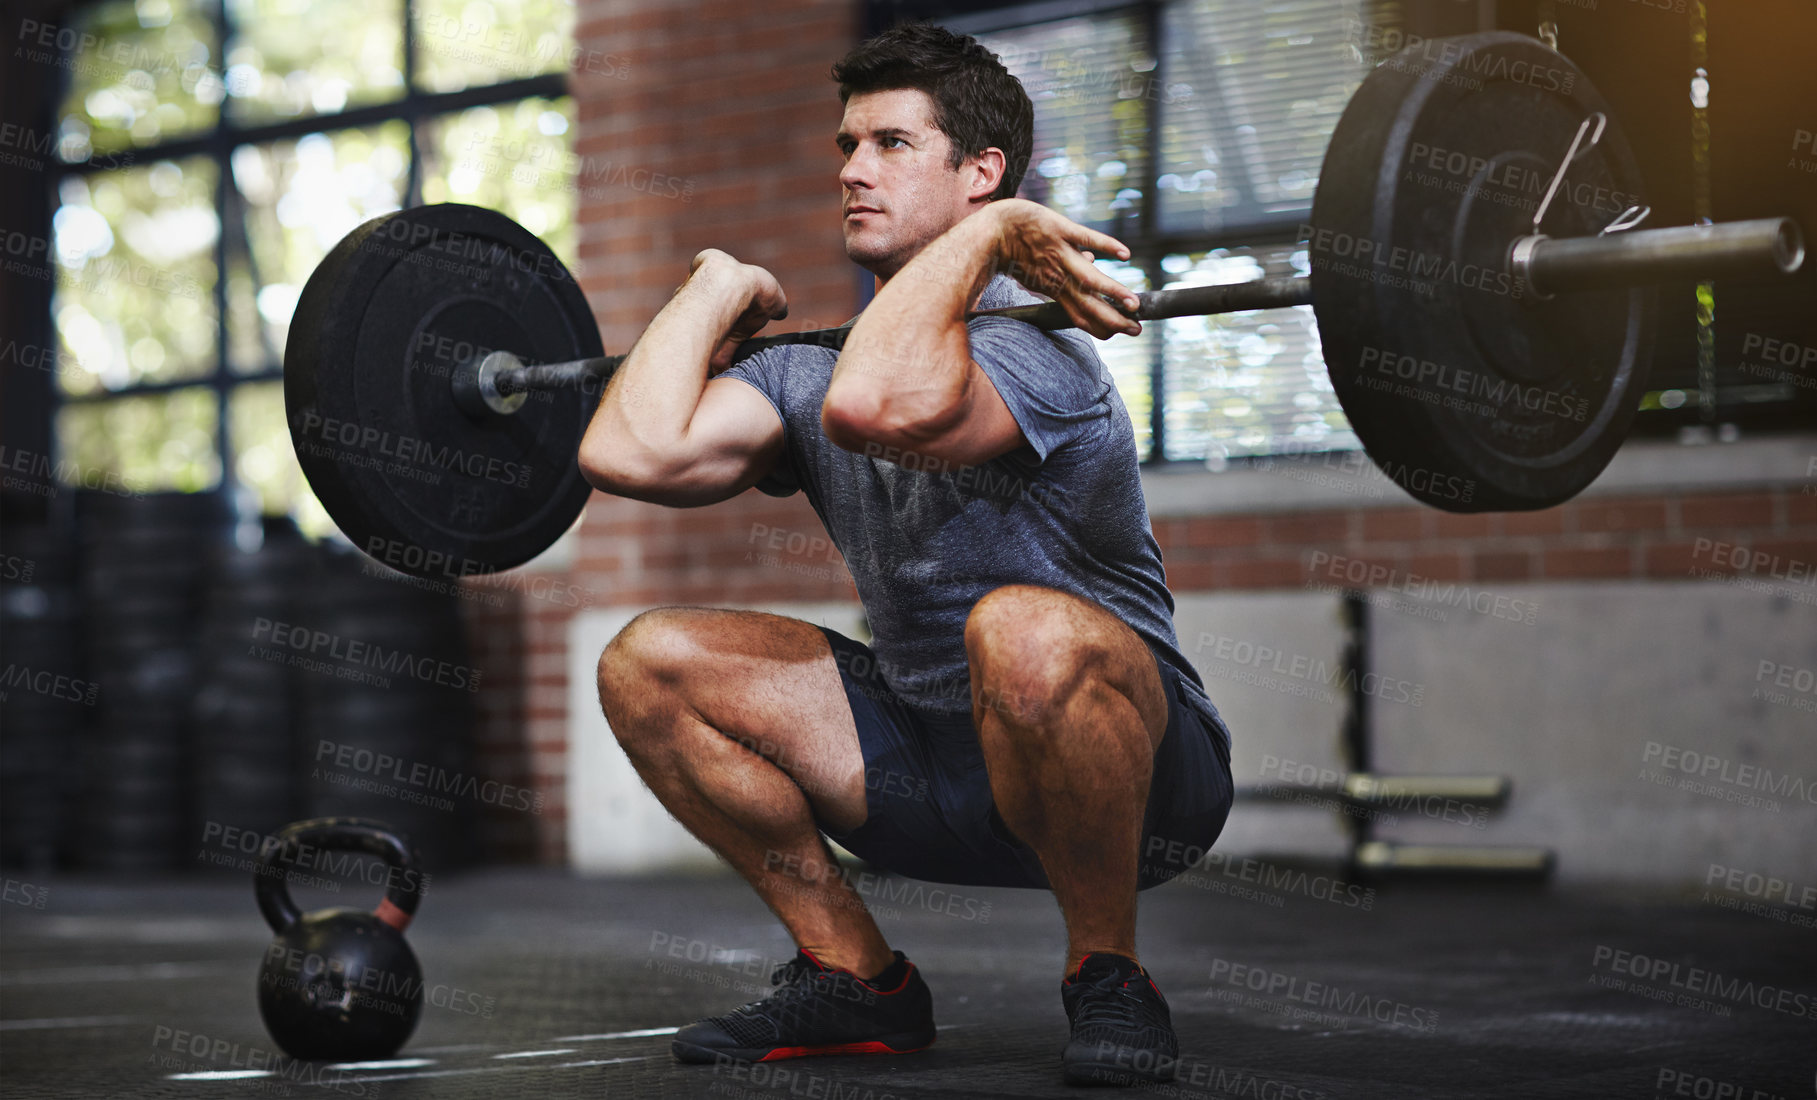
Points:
x=931 y=812
x=1026 y=643
x=765 y=681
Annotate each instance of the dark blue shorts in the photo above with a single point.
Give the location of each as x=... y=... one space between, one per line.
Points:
x=931 y=812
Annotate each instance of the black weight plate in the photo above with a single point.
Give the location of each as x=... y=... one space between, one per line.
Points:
x=409 y=477
x=1465 y=390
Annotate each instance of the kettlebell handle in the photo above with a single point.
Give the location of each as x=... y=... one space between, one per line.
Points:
x=350 y=834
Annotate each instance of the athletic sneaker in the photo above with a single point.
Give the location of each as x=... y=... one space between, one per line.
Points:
x=819 y=1010
x=1122 y=1032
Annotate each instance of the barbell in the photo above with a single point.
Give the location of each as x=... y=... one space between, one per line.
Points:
x=1482 y=289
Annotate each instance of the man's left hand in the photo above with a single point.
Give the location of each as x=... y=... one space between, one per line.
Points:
x=1050 y=254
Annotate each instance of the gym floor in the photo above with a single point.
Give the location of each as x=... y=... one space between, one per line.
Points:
x=542 y=983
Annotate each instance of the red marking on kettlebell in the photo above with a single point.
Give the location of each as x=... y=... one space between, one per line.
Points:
x=392 y=915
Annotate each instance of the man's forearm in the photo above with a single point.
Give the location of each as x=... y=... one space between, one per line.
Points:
x=651 y=398
x=908 y=359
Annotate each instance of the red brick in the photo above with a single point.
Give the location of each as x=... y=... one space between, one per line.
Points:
x=637 y=525
x=1801 y=507
x=732 y=522
x=668 y=557
x=1678 y=561
x=1169 y=533
x=1502 y=565
x=547 y=664
x=1314 y=527
x=1437 y=567
x=1350 y=570
x=1397 y=524
x=597 y=33
x=1192 y=575
x=1727 y=510
x=1463 y=525
x=1584 y=562
x=1620 y=515
x=1551 y=521
x=1265 y=573
x=546 y=637
x=542 y=695
x=1222 y=531
x=733 y=555
x=1784 y=559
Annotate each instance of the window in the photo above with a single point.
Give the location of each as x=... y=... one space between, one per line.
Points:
x=1194 y=131
x=212 y=153
x=1227 y=108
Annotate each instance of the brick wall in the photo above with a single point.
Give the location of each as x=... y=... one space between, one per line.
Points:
x=733 y=99
x=721 y=114
x=1602 y=538
x=521 y=734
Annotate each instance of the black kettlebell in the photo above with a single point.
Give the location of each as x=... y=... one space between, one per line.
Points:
x=339 y=984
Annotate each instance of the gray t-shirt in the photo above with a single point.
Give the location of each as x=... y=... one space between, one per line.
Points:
x=1065 y=510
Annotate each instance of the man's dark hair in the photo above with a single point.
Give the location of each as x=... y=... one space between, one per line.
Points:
x=977 y=103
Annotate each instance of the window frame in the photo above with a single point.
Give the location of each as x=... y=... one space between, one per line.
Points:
x=414 y=107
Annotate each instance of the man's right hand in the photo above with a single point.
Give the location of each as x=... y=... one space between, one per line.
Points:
x=664 y=433
x=760 y=294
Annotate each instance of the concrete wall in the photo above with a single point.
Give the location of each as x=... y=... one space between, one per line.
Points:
x=1267 y=659
x=1651 y=730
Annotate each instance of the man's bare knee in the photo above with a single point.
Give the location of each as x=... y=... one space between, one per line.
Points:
x=643 y=662
x=1029 y=651
x=666 y=642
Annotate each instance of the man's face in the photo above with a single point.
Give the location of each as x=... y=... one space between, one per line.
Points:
x=899 y=193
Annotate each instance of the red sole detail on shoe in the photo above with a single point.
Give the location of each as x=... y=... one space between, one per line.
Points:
x=870 y=1046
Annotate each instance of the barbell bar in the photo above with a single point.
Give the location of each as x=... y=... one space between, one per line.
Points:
x=1484 y=300
x=495 y=384
x=1764 y=248
x=1746 y=250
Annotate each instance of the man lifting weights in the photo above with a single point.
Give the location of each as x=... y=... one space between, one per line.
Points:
x=1024 y=694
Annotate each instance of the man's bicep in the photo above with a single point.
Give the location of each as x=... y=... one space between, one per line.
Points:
x=736 y=436
x=734 y=439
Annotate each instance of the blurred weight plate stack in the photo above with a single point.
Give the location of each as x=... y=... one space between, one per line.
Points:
x=388 y=701
x=144 y=565
x=44 y=696
x=246 y=705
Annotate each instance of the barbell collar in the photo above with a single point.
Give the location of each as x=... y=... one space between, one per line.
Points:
x=517 y=379
x=1760 y=249
x=476 y=385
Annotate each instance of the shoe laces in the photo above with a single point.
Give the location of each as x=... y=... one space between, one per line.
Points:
x=796 y=981
x=1117 y=1005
